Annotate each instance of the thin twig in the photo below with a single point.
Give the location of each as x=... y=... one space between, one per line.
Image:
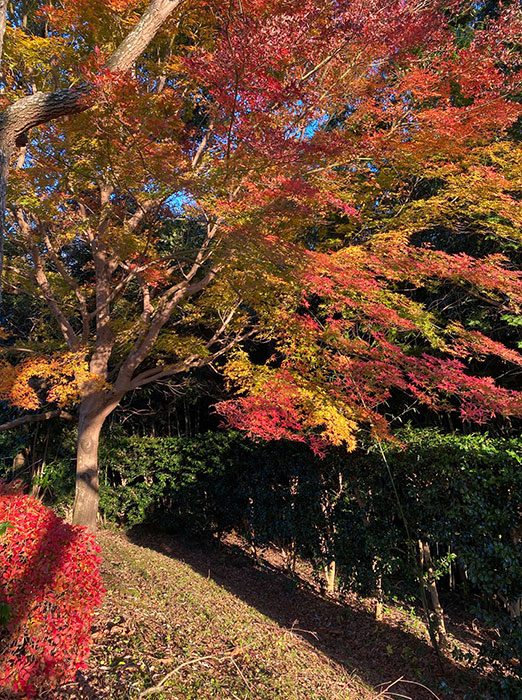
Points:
x=385 y=692
x=223 y=657
x=242 y=675
x=157 y=688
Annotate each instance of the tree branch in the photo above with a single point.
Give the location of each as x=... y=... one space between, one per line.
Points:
x=73 y=285
x=132 y=223
x=3 y=13
x=143 y=345
x=202 y=146
x=44 y=285
x=41 y=107
x=157 y=373
x=140 y=37
x=102 y=269
x=35 y=418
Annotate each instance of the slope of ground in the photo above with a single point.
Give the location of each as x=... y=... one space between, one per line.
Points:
x=181 y=622
x=159 y=613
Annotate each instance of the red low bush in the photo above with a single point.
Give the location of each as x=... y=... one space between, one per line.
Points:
x=50 y=580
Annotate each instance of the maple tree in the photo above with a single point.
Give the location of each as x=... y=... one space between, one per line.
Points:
x=251 y=168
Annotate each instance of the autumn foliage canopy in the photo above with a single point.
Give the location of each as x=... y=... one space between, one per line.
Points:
x=316 y=153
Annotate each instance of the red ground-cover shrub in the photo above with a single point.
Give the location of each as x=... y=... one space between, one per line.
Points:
x=50 y=579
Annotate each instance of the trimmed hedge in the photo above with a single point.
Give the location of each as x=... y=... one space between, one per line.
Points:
x=461 y=494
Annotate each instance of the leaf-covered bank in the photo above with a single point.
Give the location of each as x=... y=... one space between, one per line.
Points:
x=169 y=602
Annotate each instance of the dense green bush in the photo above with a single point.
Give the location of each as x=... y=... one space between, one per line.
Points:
x=212 y=484
x=461 y=494
x=173 y=482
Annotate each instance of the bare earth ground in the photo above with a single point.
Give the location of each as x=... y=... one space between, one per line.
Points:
x=264 y=636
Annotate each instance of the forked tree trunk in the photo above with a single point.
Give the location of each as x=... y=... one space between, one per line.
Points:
x=92 y=414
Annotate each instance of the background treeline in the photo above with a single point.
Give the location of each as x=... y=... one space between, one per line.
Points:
x=444 y=507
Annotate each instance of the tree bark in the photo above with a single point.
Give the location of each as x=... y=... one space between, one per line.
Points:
x=427 y=565
x=330 y=574
x=6 y=150
x=92 y=414
x=140 y=37
x=3 y=17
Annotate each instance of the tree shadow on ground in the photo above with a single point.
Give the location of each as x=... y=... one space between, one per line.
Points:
x=378 y=652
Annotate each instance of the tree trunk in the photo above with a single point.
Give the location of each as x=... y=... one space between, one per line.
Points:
x=379 y=596
x=377 y=576
x=330 y=574
x=93 y=412
x=427 y=565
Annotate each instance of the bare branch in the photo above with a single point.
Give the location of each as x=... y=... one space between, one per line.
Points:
x=201 y=256
x=202 y=146
x=157 y=373
x=224 y=323
x=140 y=37
x=143 y=345
x=159 y=687
x=143 y=209
x=71 y=282
x=35 y=418
x=148 y=309
x=44 y=285
x=42 y=107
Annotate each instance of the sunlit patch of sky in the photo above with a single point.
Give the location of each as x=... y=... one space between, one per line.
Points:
x=179 y=201
x=315 y=125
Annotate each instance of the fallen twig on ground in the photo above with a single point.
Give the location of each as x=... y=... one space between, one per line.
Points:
x=385 y=692
x=159 y=686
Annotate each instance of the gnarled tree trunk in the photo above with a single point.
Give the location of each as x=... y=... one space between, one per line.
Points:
x=92 y=414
